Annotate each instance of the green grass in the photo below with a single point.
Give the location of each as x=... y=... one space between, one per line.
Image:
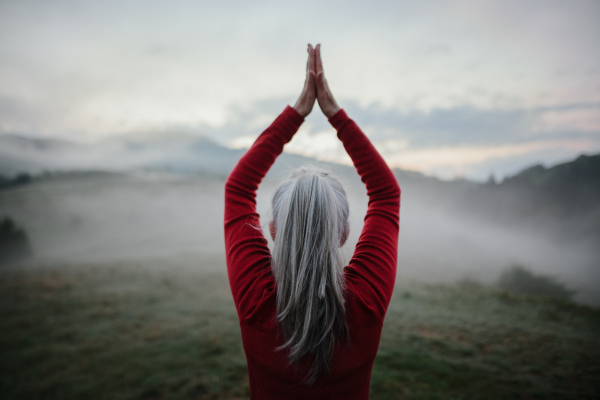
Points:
x=169 y=331
x=443 y=342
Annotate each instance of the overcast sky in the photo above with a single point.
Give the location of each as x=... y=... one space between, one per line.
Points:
x=450 y=88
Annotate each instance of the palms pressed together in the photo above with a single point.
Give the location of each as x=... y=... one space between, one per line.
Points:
x=315 y=87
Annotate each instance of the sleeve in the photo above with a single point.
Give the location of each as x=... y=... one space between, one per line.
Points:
x=248 y=256
x=372 y=269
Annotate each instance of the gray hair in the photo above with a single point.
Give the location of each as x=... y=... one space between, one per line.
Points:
x=310 y=212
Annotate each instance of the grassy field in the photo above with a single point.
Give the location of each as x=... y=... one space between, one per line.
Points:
x=168 y=330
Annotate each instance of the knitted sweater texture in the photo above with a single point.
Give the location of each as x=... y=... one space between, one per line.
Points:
x=369 y=276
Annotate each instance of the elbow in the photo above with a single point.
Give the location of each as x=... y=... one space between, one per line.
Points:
x=228 y=187
x=396 y=188
x=388 y=191
x=393 y=187
x=232 y=182
x=231 y=188
x=228 y=183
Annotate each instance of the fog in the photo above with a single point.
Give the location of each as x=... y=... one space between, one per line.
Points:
x=96 y=217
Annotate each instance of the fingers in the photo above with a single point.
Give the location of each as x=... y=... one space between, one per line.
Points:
x=318 y=63
x=311 y=59
x=320 y=76
x=308 y=96
x=326 y=100
x=311 y=76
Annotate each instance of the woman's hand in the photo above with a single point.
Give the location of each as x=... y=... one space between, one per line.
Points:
x=307 y=98
x=326 y=101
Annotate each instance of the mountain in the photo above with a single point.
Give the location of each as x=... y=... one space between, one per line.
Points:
x=32 y=155
x=175 y=152
x=561 y=198
x=573 y=186
x=178 y=153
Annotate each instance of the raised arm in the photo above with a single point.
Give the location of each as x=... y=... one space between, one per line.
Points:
x=373 y=264
x=248 y=257
x=372 y=269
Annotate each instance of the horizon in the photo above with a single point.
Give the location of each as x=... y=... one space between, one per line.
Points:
x=159 y=135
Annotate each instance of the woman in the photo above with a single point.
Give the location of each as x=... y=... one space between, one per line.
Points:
x=311 y=326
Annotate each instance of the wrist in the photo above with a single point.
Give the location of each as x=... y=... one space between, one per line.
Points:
x=332 y=111
x=339 y=119
x=301 y=110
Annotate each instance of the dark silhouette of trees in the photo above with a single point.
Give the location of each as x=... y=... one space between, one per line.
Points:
x=20 y=179
x=14 y=242
x=519 y=280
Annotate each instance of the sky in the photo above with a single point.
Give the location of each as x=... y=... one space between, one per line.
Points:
x=449 y=88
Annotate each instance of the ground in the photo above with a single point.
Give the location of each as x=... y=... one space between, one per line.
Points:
x=167 y=329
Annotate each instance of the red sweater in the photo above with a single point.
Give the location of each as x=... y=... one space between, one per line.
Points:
x=370 y=275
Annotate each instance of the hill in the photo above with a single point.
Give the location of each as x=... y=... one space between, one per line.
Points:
x=172 y=152
x=163 y=194
x=168 y=329
x=563 y=200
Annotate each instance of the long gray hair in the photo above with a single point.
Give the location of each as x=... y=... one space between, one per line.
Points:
x=310 y=213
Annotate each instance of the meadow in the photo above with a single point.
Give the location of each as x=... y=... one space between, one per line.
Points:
x=167 y=329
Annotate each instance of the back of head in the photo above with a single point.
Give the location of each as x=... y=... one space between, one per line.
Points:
x=310 y=213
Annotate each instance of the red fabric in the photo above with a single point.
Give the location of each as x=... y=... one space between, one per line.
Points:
x=370 y=275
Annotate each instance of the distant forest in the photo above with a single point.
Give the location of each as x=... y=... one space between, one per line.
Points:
x=563 y=200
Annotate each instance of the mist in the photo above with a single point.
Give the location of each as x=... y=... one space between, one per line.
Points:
x=83 y=217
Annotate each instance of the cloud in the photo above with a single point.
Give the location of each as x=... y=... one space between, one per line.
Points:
x=462 y=141
x=468 y=125
x=478 y=162
x=420 y=78
x=20 y=115
x=466 y=141
x=472 y=142
x=243 y=123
